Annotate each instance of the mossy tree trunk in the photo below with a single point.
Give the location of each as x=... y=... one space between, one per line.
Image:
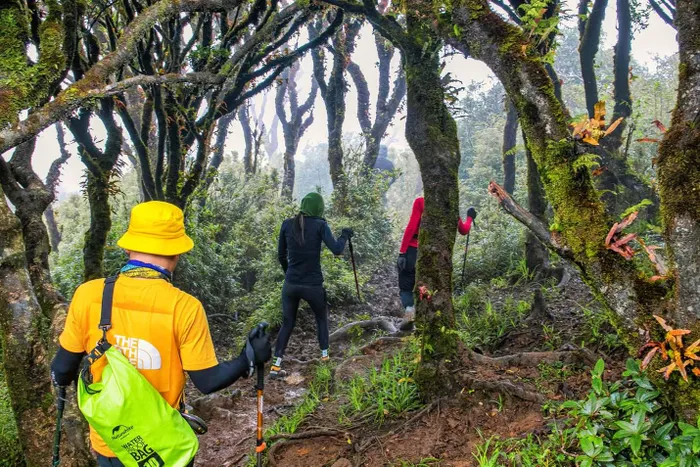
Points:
x=294 y=123
x=432 y=134
x=580 y=221
x=101 y=167
x=333 y=92
x=24 y=355
x=679 y=184
x=510 y=137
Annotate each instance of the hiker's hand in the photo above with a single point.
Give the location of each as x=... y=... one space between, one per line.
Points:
x=471 y=212
x=258 y=348
x=347 y=233
x=401 y=262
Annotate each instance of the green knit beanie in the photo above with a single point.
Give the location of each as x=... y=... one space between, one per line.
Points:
x=312 y=205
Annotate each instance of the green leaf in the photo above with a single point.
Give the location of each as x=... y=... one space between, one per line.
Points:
x=644 y=383
x=598 y=368
x=597 y=384
x=587 y=445
x=636 y=444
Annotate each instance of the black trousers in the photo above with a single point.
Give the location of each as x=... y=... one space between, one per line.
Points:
x=407 y=277
x=103 y=461
x=315 y=296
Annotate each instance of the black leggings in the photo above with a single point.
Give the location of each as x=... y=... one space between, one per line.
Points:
x=407 y=277
x=315 y=296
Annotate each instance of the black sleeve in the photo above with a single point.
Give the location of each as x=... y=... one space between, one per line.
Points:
x=282 y=247
x=65 y=366
x=336 y=246
x=220 y=376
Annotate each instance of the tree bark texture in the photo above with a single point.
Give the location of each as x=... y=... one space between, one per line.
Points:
x=294 y=124
x=24 y=355
x=100 y=165
x=333 y=92
x=432 y=134
x=679 y=184
x=590 y=27
x=387 y=103
x=510 y=137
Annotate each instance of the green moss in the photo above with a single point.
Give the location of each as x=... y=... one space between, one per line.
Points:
x=26 y=85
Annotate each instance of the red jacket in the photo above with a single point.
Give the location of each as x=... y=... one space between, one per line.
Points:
x=410 y=236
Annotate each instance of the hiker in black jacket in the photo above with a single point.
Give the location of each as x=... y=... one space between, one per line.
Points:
x=299 y=253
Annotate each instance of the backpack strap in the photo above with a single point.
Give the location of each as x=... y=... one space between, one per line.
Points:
x=105 y=325
x=106 y=313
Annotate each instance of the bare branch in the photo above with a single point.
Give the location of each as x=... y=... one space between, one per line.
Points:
x=536 y=226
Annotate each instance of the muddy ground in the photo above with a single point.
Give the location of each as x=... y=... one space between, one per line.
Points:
x=446 y=429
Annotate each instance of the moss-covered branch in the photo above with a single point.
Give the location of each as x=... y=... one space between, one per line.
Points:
x=82 y=91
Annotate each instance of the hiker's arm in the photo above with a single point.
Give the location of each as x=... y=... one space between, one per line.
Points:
x=282 y=248
x=413 y=224
x=336 y=246
x=65 y=366
x=220 y=376
x=465 y=226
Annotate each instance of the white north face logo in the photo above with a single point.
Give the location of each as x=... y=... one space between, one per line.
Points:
x=142 y=354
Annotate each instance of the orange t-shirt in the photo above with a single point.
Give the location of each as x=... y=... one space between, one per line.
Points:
x=162 y=330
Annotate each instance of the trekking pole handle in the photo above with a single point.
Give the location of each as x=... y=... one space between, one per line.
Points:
x=261 y=377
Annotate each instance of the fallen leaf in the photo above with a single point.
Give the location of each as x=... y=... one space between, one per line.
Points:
x=598 y=171
x=648 y=140
x=303 y=451
x=696 y=371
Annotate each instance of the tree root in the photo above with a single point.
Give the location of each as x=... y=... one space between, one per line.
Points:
x=506 y=387
x=296 y=438
x=535 y=358
x=382 y=323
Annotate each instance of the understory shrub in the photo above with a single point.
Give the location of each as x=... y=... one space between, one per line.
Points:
x=618 y=424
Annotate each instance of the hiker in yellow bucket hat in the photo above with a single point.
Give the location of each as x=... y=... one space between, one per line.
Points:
x=162 y=330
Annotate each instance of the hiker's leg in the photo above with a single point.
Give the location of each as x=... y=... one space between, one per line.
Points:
x=103 y=461
x=290 y=305
x=316 y=298
x=407 y=278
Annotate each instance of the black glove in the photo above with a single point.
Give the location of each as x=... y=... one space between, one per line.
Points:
x=258 y=350
x=347 y=233
x=401 y=262
x=471 y=212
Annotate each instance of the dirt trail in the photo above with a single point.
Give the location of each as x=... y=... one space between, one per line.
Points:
x=231 y=416
x=500 y=397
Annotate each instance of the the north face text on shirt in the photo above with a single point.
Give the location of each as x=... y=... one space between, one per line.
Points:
x=142 y=354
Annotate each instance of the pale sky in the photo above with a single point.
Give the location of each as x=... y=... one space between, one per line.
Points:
x=657 y=39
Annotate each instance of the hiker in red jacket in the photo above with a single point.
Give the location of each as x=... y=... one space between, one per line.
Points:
x=409 y=252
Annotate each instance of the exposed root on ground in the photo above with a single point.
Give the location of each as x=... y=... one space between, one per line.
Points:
x=535 y=358
x=380 y=322
x=506 y=387
x=296 y=438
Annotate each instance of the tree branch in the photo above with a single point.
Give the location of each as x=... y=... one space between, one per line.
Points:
x=536 y=226
x=82 y=90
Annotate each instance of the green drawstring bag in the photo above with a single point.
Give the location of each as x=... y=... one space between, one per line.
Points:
x=130 y=415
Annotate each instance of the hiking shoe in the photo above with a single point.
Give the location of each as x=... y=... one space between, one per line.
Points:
x=276 y=371
x=326 y=359
x=409 y=317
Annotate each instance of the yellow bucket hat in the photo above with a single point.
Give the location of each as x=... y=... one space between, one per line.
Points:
x=156 y=228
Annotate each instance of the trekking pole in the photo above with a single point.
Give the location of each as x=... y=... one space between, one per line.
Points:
x=60 y=405
x=354 y=269
x=260 y=443
x=464 y=262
